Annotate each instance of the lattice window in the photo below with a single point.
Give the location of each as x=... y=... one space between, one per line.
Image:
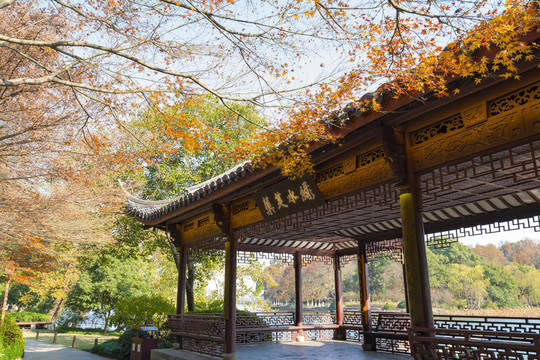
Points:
x=244 y=206
x=513 y=100
x=330 y=173
x=371 y=156
x=445 y=126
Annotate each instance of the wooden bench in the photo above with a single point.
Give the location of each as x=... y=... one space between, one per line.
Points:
x=35 y=324
x=450 y=344
x=390 y=333
x=204 y=334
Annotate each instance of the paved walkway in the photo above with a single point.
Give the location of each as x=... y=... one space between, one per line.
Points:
x=308 y=350
x=37 y=350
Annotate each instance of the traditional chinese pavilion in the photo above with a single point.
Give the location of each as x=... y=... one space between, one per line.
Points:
x=424 y=170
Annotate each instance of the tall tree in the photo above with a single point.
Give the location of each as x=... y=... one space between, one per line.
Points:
x=104 y=281
x=159 y=51
x=169 y=172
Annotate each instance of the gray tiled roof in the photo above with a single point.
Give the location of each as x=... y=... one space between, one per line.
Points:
x=147 y=210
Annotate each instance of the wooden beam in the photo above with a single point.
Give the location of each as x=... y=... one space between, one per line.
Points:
x=392 y=141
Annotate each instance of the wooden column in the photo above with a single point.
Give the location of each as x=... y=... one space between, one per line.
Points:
x=339 y=297
x=230 y=298
x=181 y=295
x=298 y=321
x=416 y=269
x=405 y=286
x=365 y=297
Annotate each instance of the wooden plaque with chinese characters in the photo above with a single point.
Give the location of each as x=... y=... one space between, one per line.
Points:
x=288 y=197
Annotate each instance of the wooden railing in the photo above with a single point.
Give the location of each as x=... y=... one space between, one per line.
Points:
x=488 y=323
x=205 y=333
x=449 y=344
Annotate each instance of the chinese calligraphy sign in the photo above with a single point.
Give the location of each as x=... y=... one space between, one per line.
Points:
x=288 y=197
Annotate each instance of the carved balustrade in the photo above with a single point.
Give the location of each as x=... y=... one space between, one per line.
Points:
x=319 y=317
x=265 y=319
x=449 y=344
x=488 y=323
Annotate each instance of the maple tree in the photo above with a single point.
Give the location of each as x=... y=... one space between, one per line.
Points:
x=304 y=58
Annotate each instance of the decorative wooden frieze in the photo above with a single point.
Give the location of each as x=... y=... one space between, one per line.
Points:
x=331 y=173
x=243 y=206
x=204 y=221
x=245 y=212
x=510 y=118
x=370 y=157
x=206 y=228
x=360 y=171
x=446 y=126
x=514 y=100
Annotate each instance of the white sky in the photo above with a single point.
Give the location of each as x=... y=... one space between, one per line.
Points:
x=500 y=237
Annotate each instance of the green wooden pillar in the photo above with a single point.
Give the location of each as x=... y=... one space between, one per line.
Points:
x=417 y=277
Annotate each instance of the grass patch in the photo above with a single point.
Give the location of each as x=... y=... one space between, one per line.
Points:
x=84 y=341
x=81 y=331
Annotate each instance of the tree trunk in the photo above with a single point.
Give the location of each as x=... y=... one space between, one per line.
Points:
x=56 y=310
x=107 y=316
x=4 y=303
x=81 y=316
x=190 y=283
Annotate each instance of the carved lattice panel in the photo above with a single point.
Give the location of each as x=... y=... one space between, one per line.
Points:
x=482 y=178
x=320 y=334
x=393 y=345
x=245 y=257
x=323 y=221
x=319 y=317
x=211 y=348
x=488 y=323
x=446 y=238
x=392 y=249
x=308 y=259
x=265 y=319
x=352 y=317
x=514 y=100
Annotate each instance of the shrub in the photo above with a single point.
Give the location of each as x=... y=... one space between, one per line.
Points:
x=144 y=309
x=389 y=306
x=30 y=317
x=11 y=339
x=111 y=349
x=402 y=305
